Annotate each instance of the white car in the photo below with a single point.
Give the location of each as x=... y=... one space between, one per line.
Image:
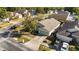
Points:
x=65 y=46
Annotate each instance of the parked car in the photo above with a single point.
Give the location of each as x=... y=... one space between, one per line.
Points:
x=65 y=46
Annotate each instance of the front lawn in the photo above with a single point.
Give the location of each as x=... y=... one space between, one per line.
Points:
x=22 y=39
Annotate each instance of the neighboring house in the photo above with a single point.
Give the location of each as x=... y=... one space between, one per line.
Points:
x=68 y=25
x=71 y=18
x=62 y=16
x=50 y=12
x=72 y=30
x=18 y=15
x=63 y=36
x=76 y=36
x=48 y=26
x=6 y=19
x=25 y=12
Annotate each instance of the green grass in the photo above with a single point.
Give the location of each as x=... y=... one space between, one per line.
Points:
x=21 y=39
x=5 y=24
x=77 y=17
x=73 y=48
x=44 y=48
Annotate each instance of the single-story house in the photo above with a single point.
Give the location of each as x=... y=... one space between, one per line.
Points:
x=61 y=16
x=72 y=30
x=50 y=12
x=48 y=26
x=76 y=36
x=63 y=36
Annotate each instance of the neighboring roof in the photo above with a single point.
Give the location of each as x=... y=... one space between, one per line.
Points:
x=72 y=30
x=64 y=33
x=68 y=25
x=60 y=16
x=76 y=35
x=49 y=24
x=63 y=38
x=63 y=12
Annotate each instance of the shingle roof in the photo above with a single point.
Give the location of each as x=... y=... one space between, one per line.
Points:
x=76 y=36
x=63 y=38
x=59 y=17
x=49 y=24
x=64 y=33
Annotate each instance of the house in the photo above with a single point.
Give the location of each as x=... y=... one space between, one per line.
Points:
x=6 y=19
x=72 y=30
x=76 y=36
x=48 y=26
x=63 y=36
x=18 y=15
x=61 y=16
x=50 y=12
x=68 y=25
x=25 y=12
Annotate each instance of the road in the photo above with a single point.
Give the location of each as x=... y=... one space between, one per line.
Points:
x=12 y=45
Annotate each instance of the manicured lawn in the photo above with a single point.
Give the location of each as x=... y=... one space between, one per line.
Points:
x=44 y=48
x=22 y=39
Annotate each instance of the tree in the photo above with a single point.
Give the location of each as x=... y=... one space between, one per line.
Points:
x=72 y=9
x=30 y=24
x=40 y=10
x=3 y=13
x=12 y=9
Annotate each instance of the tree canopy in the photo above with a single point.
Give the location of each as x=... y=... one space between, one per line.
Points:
x=30 y=24
x=3 y=13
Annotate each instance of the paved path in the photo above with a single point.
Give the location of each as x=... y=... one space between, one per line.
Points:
x=35 y=43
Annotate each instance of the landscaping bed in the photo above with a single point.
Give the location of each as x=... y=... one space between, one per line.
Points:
x=22 y=39
x=44 y=48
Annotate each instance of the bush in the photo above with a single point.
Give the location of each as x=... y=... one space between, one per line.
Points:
x=21 y=39
x=44 y=48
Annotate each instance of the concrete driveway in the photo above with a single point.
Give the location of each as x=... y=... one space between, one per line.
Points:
x=35 y=43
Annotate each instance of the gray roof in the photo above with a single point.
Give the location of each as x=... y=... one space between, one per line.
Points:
x=60 y=16
x=63 y=12
x=64 y=33
x=63 y=38
x=76 y=36
x=49 y=24
x=72 y=30
x=68 y=25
